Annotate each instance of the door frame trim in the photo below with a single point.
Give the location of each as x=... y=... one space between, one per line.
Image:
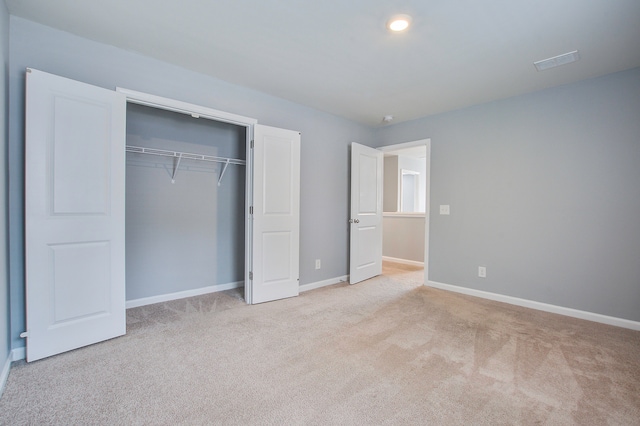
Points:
x=427 y=200
x=196 y=111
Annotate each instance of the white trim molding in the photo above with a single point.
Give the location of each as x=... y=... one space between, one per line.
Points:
x=554 y=309
x=403 y=261
x=196 y=111
x=19 y=354
x=5 y=372
x=324 y=283
x=182 y=294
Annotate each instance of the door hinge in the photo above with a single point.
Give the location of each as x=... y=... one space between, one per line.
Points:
x=251 y=143
x=251 y=276
x=251 y=210
x=24 y=334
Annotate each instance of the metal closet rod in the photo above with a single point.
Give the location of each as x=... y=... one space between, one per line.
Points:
x=188 y=155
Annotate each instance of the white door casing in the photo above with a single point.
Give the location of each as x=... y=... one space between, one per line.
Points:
x=275 y=259
x=74 y=214
x=365 y=260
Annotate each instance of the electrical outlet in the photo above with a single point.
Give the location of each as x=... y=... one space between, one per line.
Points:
x=482 y=271
x=444 y=209
x=317 y=263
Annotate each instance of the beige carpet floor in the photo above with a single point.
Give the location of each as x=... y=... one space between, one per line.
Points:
x=384 y=351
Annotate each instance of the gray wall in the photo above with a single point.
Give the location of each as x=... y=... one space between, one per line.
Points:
x=324 y=151
x=403 y=237
x=544 y=191
x=188 y=234
x=5 y=342
x=390 y=184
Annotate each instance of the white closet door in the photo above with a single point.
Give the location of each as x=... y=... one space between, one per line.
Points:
x=276 y=215
x=74 y=214
x=365 y=260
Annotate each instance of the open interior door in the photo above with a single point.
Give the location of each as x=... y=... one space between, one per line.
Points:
x=74 y=214
x=365 y=260
x=275 y=252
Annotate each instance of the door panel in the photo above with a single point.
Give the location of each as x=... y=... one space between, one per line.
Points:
x=366 y=213
x=74 y=214
x=276 y=218
x=79 y=186
x=277 y=256
x=79 y=271
x=277 y=176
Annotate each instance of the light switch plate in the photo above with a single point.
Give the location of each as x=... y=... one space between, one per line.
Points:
x=444 y=209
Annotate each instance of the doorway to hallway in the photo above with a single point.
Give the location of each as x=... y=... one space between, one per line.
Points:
x=406 y=206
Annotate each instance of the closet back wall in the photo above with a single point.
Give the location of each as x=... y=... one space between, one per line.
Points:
x=188 y=234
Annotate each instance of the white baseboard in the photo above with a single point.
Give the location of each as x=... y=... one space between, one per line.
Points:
x=5 y=372
x=182 y=294
x=570 y=312
x=324 y=283
x=19 y=354
x=403 y=261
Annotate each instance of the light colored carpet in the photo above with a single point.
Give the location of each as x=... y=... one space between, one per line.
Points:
x=384 y=351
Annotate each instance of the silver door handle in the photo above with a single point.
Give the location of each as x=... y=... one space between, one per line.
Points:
x=354 y=220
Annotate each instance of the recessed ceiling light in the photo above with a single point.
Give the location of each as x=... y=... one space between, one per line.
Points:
x=399 y=23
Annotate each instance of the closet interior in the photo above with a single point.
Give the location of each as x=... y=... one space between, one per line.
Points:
x=185 y=204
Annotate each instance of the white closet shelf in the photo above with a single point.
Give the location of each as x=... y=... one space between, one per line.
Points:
x=187 y=155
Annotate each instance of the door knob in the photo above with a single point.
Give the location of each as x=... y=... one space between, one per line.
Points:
x=354 y=220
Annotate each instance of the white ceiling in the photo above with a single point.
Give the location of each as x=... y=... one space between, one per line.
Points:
x=338 y=57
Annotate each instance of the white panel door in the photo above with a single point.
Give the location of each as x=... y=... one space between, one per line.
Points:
x=74 y=214
x=275 y=262
x=365 y=260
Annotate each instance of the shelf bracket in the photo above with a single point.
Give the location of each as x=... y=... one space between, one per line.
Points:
x=224 y=169
x=175 y=169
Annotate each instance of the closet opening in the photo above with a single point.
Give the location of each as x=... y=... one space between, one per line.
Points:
x=185 y=227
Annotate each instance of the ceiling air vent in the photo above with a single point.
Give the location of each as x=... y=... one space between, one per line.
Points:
x=556 y=61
